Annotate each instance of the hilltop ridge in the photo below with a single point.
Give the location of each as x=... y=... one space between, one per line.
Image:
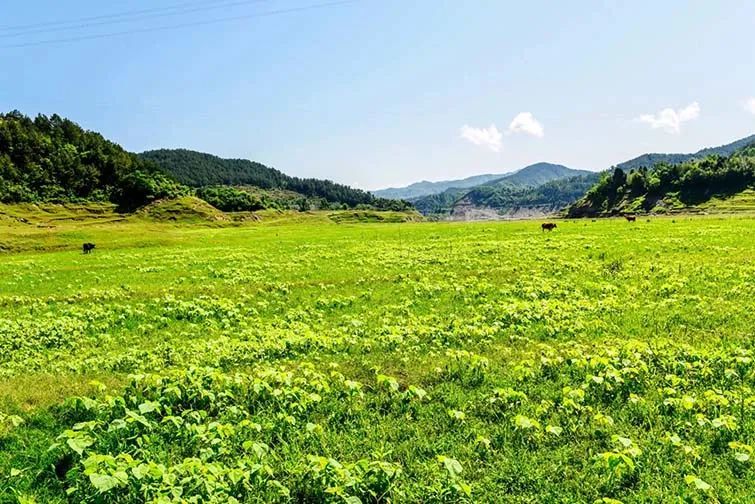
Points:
x=54 y=160
x=666 y=187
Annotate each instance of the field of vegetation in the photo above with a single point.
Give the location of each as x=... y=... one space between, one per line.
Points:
x=332 y=360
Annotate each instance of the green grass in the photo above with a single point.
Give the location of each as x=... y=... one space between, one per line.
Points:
x=740 y=202
x=296 y=359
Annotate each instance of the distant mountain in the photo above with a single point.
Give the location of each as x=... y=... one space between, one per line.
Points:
x=496 y=202
x=536 y=174
x=198 y=169
x=424 y=188
x=528 y=192
x=652 y=159
x=529 y=176
x=504 y=190
x=552 y=194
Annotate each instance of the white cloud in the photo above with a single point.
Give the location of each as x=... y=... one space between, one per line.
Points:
x=525 y=122
x=670 y=120
x=492 y=138
x=750 y=105
x=488 y=137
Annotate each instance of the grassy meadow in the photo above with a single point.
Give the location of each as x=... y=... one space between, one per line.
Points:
x=321 y=359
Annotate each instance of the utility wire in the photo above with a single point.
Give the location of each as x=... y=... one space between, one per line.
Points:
x=182 y=25
x=131 y=19
x=108 y=16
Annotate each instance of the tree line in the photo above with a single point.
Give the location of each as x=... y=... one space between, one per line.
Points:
x=553 y=194
x=197 y=169
x=692 y=182
x=53 y=159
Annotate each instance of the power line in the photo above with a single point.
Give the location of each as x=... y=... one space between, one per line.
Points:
x=178 y=26
x=130 y=19
x=108 y=16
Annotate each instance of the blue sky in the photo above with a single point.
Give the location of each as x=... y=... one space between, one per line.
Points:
x=376 y=93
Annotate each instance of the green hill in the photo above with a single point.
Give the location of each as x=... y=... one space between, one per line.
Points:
x=554 y=194
x=652 y=159
x=544 y=185
x=52 y=159
x=197 y=169
x=542 y=188
x=536 y=175
x=669 y=187
x=185 y=209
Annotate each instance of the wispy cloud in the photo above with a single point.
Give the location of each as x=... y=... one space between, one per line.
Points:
x=750 y=105
x=488 y=137
x=525 y=122
x=670 y=120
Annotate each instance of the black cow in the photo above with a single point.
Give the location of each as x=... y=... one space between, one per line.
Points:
x=87 y=247
x=550 y=226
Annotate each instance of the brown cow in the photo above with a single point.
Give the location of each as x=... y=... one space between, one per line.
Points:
x=550 y=226
x=630 y=218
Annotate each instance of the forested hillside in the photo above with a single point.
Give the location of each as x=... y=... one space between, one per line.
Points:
x=54 y=159
x=198 y=169
x=667 y=186
x=651 y=159
x=546 y=186
x=555 y=193
x=541 y=184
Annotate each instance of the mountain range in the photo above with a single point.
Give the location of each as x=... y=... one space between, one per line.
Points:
x=52 y=159
x=493 y=193
x=425 y=187
x=536 y=174
x=652 y=159
x=542 y=188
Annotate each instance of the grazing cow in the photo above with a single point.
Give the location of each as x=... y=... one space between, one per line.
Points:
x=630 y=218
x=550 y=226
x=87 y=247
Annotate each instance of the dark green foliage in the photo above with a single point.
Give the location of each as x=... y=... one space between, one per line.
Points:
x=691 y=182
x=554 y=195
x=54 y=159
x=139 y=187
x=649 y=160
x=51 y=159
x=198 y=169
x=391 y=205
x=230 y=199
x=439 y=203
x=549 y=186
